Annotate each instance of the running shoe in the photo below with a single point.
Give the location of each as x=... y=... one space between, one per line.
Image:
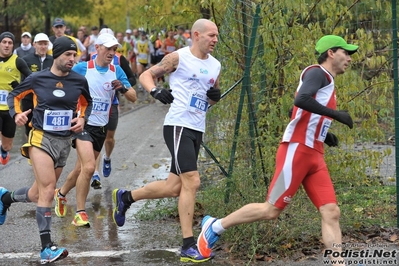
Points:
x=193 y=255
x=52 y=253
x=120 y=207
x=81 y=219
x=4 y=158
x=207 y=238
x=60 y=204
x=106 y=167
x=3 y=209
x=95 y=182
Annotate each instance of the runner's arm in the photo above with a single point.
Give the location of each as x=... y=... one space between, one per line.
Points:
x=128 y=91
x=313 y=80
x=167 y=65
x=216 y=92
x=23 y=67
x=17 y=94
x=128 y=71
x=86 y=102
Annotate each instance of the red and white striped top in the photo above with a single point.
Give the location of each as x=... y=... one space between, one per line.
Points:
x=309 y=128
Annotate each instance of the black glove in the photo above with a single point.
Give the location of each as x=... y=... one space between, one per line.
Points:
x=344 y=117
x=14 y=84
x=132 y=81
x=163 y=95
x=118 y=85
x=213 y=94
x=331 y=140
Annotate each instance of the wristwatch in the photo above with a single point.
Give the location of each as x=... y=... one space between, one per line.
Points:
x=123 y=90
x=153 y=90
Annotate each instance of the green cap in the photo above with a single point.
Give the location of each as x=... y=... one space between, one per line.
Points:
x=334 y=41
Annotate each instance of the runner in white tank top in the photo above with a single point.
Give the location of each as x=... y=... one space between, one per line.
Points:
x=190 y=81
x=194 y=84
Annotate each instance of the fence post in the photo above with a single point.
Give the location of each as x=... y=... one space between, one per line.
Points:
x=395 y=87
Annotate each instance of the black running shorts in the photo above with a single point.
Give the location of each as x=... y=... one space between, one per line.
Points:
x=94 y=134
x=183 y=145
x=113 y=118
x=7 y=124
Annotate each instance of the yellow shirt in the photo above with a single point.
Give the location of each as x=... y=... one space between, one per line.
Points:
x=8 y=73
x=78 y=52
x=142 y=49
x=124 y=50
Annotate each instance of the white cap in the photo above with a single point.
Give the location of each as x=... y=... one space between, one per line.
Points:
x=26 y=33
x=106 y=30
x=129 y=31
x=41 y=37
x=107 y=40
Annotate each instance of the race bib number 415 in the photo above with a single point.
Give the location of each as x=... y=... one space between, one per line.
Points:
x=198 y=103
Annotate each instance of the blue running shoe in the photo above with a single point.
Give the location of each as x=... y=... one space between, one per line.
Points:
x=95 y=182
x=52 y=253
x=207 y=238
x=106 y=167
x=120 y=207
x=193 y=255
x=3 y=209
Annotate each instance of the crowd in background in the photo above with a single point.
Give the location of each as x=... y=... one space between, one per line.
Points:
x=142 y=49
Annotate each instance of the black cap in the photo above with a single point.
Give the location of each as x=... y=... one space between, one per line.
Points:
x=7 y=34
x=58 y=22
x=63 y=44
x=94 y=28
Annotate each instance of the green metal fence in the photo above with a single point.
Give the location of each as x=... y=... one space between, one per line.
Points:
x=263 y=47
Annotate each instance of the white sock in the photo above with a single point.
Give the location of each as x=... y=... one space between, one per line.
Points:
x=217 y=227
x=105 y=157
x=95 y=173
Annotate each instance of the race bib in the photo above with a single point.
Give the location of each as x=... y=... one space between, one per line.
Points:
x=57 y=120
x=198 y=103
x=101 y=106
x=142 y=56
x=170 y=48
x=324 y=129
x=3 y=97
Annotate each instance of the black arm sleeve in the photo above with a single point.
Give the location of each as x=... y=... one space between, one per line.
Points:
x=23 y=67
x=128 y=71
x=314 y=79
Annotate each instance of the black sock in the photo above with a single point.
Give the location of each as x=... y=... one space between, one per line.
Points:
x=45 y=238
x=127 y=198
x=188 y=242
x=7 y=199
x=2 y=150
x=44 y=223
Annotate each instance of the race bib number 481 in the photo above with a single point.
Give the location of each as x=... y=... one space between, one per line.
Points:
x=57 y=120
